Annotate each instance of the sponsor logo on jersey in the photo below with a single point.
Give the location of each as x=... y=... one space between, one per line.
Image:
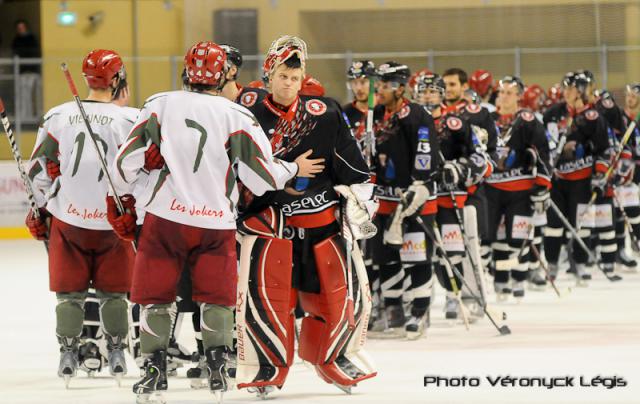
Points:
x=404 y=112
x=310 y=202
x=316 y=107
x=527 y=116
x=423 y=133
x=249 y=99
x=473 y=108
x=607 y=103
x=591 y=114
x=454 y=123
x=423 y=162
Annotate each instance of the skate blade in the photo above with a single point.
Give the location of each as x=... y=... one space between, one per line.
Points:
x=118 y=377
x=414 y=335
x=581 y=283
x=219 y=396
x=67 y=379
x=151 y=398
x=198 y=384
x=389 y=333
x=346 y=389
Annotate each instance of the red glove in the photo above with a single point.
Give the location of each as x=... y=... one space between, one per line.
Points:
x=124 y=225
x=53 y=169
x=153 y=160
x=38 y=226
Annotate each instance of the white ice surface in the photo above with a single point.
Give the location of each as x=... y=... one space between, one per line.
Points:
x=592 y=331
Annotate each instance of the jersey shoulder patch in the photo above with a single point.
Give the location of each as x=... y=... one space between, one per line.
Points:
x=608 y=103
x=473 y=108
x=315 y=107
x=248 y=99
x=454 y=123
x=404 y=112
x=591 y=114
x=527 y=116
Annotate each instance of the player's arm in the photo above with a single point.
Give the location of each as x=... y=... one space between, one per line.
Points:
x=45 y=154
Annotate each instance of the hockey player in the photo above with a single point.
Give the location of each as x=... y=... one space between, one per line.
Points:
x=405 y=164
x=83 y=250
x=518 y=187
x=485 y=129
x=205 y=140
x=534 y=98
x=232 y=89
x=358 y=76
x=481 y=81
x=579 y=170
x=308 y=260
x=463 y=165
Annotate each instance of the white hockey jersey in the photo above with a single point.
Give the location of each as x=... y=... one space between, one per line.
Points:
x=206 y=141
x=77 y=196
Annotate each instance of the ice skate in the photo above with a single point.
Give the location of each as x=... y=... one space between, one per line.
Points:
x=502 y=290
x=626 y=262
x=219 y=379
x=262 y=392
x=393 y=319
x=199 y=375
x=178 y=356
x=117 y=361
x=537 y=280
x=518 y=290
x=154 y=380
x=451 y=308
x=377 y=323
x=68 y=359
x=582 y=276
x=553 y=272
x=90 y=358
x=415 y=326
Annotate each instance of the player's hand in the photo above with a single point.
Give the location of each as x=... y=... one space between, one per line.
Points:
x=124 y=225
x=53 y=169
x=38 y=226
x=309 y=167
x=153 y=160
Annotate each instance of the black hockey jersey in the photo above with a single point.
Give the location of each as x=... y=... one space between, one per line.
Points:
x=309 y=123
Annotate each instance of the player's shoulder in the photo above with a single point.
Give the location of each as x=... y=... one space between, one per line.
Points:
x=321 y=107
x=161 y=97
x=59 y=112
x=130 y=114
x=412 y=111
x=249 y=96
x=475 y=110
x=591 y=115
x=526 y=116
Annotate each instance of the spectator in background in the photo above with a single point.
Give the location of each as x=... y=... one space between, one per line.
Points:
x=25 y=45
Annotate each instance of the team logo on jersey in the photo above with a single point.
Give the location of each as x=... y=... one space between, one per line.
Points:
x=316 y=107
x=423 y=162
x=473 y=108
x=454 y=123
x=591 y=114
x=423 y=133
x=248 y=99
x=527 y=116
x=404 y=112
x=607 y=103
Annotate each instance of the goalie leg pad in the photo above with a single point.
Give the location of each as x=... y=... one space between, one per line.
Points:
x=264 y=312
x=325 y=335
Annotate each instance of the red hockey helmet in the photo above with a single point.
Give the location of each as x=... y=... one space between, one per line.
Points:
x=256 y=84
x=205 y=63
x=481 y=81
x=554 y=94
x=534 y=97
x=100 y=66
x=312 y=87
x=413 y=80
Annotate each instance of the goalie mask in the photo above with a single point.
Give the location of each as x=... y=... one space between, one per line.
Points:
x=281 y=50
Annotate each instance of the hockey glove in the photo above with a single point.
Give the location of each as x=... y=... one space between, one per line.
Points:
x=153 y=160
x=624 y=173
x=540 y=200
x=414 y=198
x=38 y=226
x=124 y=225
x=451 y=172
x=53 y=169
x=598 y=183
x=360 y=209
x=393 y=234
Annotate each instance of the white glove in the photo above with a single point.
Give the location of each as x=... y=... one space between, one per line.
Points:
x=451 y=174
x=540 y=201
x=359 y=209
x=393 y=234
x=414 y=198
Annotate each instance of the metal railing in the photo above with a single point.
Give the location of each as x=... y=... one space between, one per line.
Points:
x=16 y=97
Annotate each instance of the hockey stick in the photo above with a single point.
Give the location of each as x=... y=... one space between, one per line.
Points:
x=18 y=158
x=92 y=135
x=544 y=267
x=370 y=140
x=347 y=236
x=503 y=330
